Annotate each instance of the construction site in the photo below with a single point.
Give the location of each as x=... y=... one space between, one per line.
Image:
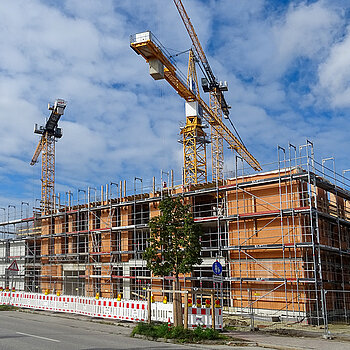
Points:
x=280 y=231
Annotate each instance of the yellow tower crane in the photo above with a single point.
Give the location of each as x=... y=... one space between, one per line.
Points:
x=217 y=100
x=49 y=133
x=162 y=66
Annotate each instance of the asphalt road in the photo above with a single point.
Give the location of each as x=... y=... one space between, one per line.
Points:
x=35 y=331
x=21 y=330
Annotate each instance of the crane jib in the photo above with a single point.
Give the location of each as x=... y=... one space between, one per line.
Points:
x=143 y=44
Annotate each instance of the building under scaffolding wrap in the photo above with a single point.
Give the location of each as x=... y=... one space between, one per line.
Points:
x=282 y=236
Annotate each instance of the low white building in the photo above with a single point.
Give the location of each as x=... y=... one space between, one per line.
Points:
x=12 y=250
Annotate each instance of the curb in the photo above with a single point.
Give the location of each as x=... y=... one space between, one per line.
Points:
x=279 y=347
x=161 y=340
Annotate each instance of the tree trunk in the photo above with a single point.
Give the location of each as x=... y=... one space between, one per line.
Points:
x=177 y=304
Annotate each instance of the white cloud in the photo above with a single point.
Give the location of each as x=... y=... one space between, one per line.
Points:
x=265 y=47
x=306 y=31
x=47 y=54
x=119 y=123
x=334 y=74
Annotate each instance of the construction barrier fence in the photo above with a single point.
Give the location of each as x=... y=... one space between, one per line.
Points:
x=127 y=310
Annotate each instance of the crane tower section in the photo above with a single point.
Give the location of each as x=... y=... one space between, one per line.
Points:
x=217 y=100
x=194 y=146
x=194 y=138
x=217 y=142
x=46 y=146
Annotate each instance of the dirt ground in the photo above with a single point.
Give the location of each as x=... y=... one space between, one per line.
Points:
x=241 y=324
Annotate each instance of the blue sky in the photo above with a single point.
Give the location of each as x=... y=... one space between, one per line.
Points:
x=286 y=62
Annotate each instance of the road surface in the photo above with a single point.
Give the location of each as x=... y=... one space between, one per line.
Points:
x=35 y=331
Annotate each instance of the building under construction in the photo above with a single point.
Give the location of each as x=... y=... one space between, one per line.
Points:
x=281 y=235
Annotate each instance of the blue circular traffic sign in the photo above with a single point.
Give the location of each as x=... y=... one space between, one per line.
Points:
x=217 y=268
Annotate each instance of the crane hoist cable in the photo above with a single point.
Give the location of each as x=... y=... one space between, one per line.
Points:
x=179 y=53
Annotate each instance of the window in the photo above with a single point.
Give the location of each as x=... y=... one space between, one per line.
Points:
x=97 y=279
x=211 y=239
x=51 y=243
x=96 y=218
x=83 y=247
x=116 y=246
x=117 y=280
x=64 y=244
x=83 y=221
x=73 y=222
x=96 y=246
x=32 y=279
x=139 y=243
x=65 y=224
x=138 y=282
x=205 y=205
x=140 y=214
x=116 y=217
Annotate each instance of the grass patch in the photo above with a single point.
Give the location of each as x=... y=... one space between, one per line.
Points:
x=8 y=308
x=156 y=331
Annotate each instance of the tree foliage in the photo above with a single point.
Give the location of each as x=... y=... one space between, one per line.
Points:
x=174 y=244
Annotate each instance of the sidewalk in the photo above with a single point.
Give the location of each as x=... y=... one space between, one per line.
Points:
x=264 y=339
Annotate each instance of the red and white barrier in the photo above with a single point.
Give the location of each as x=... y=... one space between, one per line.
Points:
x=201 y=317
x=5 y=298
x=162 y=312
x=128 y=310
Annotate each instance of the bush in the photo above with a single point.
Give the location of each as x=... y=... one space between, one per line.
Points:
x=144 y=329
x=162 y=330
x=7 y=308
x=206 y=334
x=179 y=333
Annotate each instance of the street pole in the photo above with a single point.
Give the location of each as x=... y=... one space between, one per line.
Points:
x=149 y=302
x=212 y=310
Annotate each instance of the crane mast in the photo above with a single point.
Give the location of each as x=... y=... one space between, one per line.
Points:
x=217 y=142
x=217 y=100
x=194 y=138
x=46 y=146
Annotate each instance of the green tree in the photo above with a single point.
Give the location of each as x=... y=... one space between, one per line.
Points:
x=174 y=245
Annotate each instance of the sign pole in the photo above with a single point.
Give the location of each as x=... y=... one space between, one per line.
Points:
x=149 y=302
x=212 y=310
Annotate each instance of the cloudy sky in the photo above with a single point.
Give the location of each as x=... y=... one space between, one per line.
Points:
x=287 y=64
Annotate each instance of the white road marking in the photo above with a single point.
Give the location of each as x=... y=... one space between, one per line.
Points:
x=36 y=336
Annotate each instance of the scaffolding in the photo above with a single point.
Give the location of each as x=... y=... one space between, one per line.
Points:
x=282 y=236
